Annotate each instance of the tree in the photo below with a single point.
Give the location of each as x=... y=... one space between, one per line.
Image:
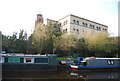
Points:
x=40 y=37
x=22 y=35
x=14 y=43
x=66 y=43
x=54 y=28
x=82 y=47
x=44 y=35
x=5 y=43
x=22 y=42
x=101 y=44
x=55 y=34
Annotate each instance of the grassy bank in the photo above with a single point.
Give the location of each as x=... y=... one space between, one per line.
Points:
x=64 y=58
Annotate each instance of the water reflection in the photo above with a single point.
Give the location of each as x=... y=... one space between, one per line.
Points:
x=43 y=75
x=94 y=75
x=33 y=75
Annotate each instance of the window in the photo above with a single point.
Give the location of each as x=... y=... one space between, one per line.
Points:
x=2 y=60
x=39 y=19
x=83 y=30
x=86 y=25
x=28 y=59
x=77 y=31
x=74 y=21
x=93 y=26
x=13 y=60
x=65 y=30
x=64 y=23
x=99 y=28
x=90 y=26
x=83 y=24
x=118 y=62
x=77 y=22
x=110 y=62
x=41 y=60
x=59 y=24
x=105 y=29
x=74 y=29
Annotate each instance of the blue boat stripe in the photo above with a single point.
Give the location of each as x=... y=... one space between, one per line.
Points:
x=109 y=66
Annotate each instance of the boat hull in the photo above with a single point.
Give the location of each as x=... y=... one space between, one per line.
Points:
x=88 y=68
x=28 y=67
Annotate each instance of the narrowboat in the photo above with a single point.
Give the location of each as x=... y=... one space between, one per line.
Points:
x=28 y=62
x=96 y=64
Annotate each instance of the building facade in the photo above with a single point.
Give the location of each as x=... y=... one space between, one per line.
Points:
x=78 y=26
x=74 y=25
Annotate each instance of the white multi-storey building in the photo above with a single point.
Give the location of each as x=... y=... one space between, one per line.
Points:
x=77 y=26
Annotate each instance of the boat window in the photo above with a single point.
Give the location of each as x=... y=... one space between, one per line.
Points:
x=28 y=59
x=13 y=60
x=75 y=63
x=1 y=60
x=6 y=59
x=118 y=62
x=41 y=60
x=110 y=62
x=21 y=60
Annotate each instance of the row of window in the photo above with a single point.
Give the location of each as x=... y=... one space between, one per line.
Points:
x=65 y=22
x=112 y=62
x=26 y=60
x=86 y=25
x=77 y=30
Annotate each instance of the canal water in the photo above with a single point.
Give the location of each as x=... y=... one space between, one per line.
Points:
x=62 y=74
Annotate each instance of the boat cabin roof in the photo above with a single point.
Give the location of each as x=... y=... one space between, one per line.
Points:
x=23 y=55
x=101 y=59
x=107 y=58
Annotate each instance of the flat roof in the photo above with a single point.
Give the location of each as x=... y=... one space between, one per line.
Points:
x=21 y=55
x=52 y=20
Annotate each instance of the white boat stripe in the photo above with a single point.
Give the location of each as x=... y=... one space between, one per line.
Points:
x=72 y=66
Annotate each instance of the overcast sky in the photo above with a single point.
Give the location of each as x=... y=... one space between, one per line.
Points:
x=21 y=14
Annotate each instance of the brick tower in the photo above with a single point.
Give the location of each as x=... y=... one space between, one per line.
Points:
x=39 y=19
